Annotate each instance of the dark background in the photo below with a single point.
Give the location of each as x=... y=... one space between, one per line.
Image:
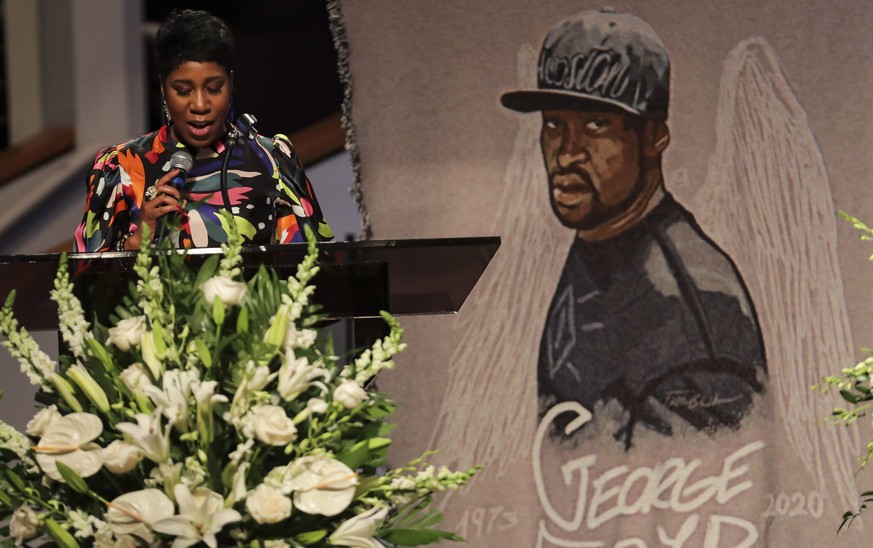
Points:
x=285 y=64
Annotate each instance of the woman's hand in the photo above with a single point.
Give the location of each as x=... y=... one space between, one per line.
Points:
x=166 y=201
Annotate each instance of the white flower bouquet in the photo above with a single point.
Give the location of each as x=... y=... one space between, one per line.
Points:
x=209 y=412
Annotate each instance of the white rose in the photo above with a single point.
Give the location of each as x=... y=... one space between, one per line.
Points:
x=120 y=457
x=24 y=524
x=228 y=291
x=42 y=421
x=128 y=332
x=135 y=377
x=316 y=405
x=349 y=394
x=268 y=505
x=272 y=426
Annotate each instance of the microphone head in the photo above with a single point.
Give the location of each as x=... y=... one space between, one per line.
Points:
x=181 y=159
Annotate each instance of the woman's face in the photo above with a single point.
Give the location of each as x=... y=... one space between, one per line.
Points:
x=198 y=98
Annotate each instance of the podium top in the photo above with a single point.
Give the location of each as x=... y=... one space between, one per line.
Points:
x=356 y=279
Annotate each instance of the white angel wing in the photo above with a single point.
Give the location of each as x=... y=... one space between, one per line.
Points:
x=489 y=410
x=767 y=201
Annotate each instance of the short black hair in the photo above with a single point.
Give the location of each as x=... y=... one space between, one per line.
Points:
x=192 y=35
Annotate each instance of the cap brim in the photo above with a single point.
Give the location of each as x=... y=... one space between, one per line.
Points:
x=550 y=99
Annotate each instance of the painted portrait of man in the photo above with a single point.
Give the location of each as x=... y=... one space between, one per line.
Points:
x=651 y=322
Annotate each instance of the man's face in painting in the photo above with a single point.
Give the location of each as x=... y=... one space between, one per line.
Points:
x=592 y=159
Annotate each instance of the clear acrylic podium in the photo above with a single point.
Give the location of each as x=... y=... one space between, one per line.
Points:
x=356 y=280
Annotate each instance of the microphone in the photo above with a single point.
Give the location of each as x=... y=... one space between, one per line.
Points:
x=182 y=161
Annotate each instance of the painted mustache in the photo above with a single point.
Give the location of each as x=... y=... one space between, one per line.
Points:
x=570 y=186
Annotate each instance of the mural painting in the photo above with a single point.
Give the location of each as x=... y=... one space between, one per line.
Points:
x=649 y=313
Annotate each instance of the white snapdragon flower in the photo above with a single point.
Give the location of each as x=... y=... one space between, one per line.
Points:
x=193 y=472
x=404 y=490
x=242 y=451
x=120 y=457
x=224 y=289
x=69 y=440
x=24 y=524
x=268 y=505
x=13 y=440
x=349 y=394
x=35 y=363
x=201 y=515
x=299 y=338
x=134 y=514
x=128 y=333
x=71 y=317
x=358 y=532
x=84 y=524
x=322 y=485
x=40 y=422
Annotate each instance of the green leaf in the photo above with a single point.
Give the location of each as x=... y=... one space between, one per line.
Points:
x=61 y=535
x=417 y=537
x=376 y=444
x=311 y=537
x=242 y=320
x=207 y=270
x=15 y=480
x=848 y=396
x=73 y=479
x=356 y=455
x=6 y=500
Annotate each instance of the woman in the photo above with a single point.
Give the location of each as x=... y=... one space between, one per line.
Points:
x=259 y=180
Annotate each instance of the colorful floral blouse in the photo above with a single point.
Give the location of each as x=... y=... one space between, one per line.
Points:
x=270 y=197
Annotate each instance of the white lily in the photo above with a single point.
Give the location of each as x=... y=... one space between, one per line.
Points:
x=238 y=491
x=136 y=513
x=296 y=375
x=149 y=355
x=172 y=401
x=69 y=440
x=148 y=435
x=358 y=531
x=322 y=485
x=201 y=516
x=83 y=379
x=204 y=394
x=24 y=524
